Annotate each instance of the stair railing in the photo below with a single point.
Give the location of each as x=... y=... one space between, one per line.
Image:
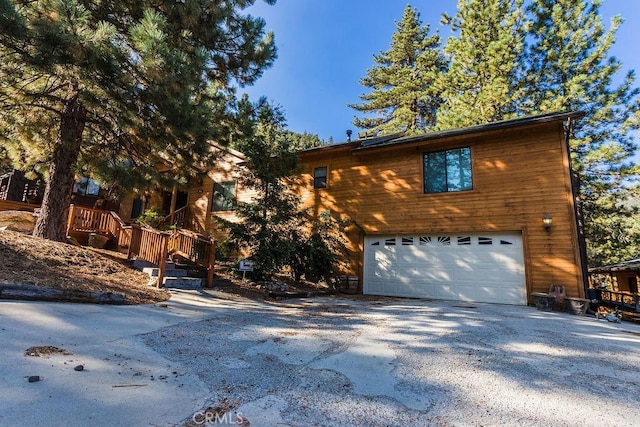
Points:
x=146 y=243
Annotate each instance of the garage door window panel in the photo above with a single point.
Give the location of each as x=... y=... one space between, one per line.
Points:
x=447 y=171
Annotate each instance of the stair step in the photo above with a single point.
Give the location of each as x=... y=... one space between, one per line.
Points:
x=182 y=282
x=168 y=272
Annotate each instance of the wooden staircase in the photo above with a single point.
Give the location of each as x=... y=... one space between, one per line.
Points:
x=144 y=243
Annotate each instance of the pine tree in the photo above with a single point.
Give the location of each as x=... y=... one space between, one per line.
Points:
x=570 y=69
x=403 y=95
x=480 y=84
x=100 y=84
x=265 y=226
x=271 y=229
x=303 y=141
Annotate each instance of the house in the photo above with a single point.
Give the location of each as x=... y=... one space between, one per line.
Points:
x=484 y=213
x=15 y=186
x=204 y=198
x=622 y=276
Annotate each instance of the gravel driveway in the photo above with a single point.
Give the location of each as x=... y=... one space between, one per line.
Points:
x=410 y=362
x=373 y=362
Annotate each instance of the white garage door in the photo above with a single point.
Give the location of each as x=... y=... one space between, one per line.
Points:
x=485 y=267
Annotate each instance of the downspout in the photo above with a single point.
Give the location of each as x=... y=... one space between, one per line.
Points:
x=578 y=210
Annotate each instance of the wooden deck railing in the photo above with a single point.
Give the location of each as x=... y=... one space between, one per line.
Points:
x=9 y=205
x=149 y=245
x=88 y=220
x=624 y=300
x=155 y=246
x=178 y=219
x=145 y=243
x=198 y=249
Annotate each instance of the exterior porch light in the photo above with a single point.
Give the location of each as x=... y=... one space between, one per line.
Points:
x=546 y=219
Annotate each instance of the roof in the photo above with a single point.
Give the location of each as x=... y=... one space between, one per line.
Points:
x=399 y=139
x=631 y=265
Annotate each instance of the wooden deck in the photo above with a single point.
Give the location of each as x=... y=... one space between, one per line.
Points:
x=625 y=301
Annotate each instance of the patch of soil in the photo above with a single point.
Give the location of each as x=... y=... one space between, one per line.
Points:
x=29 y=260
x=45 y=350
x=229 y=281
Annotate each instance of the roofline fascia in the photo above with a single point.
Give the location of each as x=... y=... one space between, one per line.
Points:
x=487 y=127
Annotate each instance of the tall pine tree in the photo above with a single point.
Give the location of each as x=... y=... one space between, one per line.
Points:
x=480 y=84
x=569 y=68
x=403 y=96
x=103 y=84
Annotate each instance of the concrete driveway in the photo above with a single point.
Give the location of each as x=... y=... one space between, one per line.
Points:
x=325 y=361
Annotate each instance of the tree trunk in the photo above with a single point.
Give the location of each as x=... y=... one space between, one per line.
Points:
x=52 y=221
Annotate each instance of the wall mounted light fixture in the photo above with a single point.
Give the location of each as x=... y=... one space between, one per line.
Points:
x=546 y=219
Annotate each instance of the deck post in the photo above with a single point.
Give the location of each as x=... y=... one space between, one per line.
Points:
x=211 y=262
x=134 y=243
x=164 y=242
x=172 y=208
x=70 y=218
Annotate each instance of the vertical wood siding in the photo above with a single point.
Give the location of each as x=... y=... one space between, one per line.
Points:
x=518 y=176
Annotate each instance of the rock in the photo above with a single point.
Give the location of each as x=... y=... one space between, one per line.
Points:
x=98 y=241
x=34 y=378
x=79 y=368
x=19 y=221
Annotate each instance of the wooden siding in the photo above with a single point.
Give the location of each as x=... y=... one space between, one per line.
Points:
x=199 y=196
x=518 y=176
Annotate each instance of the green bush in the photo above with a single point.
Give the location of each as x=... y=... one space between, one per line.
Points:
x=151 y=217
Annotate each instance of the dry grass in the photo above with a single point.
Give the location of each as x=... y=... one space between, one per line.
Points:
x=29 y=260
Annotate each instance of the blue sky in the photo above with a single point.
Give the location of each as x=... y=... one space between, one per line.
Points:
x=326 y=46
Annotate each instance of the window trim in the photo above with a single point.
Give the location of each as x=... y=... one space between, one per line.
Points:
x=445 y=151
x=316 y=183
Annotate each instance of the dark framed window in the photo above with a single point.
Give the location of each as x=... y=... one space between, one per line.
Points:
x=446 y=171
x=320 y=177
x=224 y=196
x=86 y=187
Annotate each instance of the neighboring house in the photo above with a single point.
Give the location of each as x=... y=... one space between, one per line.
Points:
x=457 y=214
x=623 y=276
x=15 y=186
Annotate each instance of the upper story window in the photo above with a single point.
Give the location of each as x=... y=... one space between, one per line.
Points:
x=86 y=187
x=448 y=170
x=320 y=177
x=224 y=196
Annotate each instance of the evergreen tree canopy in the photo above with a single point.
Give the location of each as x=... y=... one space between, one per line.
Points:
x=303 y=141
x=403 y=95
x=481 y=83
x=272 y=230
x=102 y=84
x=568 y=67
